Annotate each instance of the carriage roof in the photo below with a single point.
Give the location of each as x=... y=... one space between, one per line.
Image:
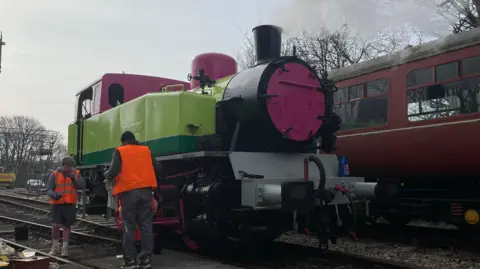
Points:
x=411 y=54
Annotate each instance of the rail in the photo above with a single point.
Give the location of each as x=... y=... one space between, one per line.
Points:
x=58 y=259
x=80 y=236
x=45 y=211
x=330 y=254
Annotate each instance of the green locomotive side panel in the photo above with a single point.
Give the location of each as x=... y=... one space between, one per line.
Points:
x=72 y=139
x=168 y=123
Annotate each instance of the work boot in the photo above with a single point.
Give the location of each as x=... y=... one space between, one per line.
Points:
x=64 y=252
x=128 y=264
x=55 y=250
x=6 y=250
x=145 y=262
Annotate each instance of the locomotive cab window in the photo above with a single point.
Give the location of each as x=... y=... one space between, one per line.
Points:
x=84 y=104
x=116 y=95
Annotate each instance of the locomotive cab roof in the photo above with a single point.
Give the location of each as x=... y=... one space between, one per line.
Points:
x=107 y=74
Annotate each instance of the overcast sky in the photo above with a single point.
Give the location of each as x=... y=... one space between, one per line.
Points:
x=57 y=47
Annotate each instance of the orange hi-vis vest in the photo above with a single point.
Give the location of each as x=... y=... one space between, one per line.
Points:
x=66 y=188
x=137 y=170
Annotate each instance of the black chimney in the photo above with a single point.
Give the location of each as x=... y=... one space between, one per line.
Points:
x=268 y=42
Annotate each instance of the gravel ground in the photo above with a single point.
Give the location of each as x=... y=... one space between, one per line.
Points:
x=422 y=223
x=428 y=257
x=13 y=212
x=431 y=258
x=315 y=263
x=43 y=242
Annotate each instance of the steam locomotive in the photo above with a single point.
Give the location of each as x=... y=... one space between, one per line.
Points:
x=235 y=148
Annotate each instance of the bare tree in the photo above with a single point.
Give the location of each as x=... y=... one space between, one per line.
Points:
x=325 y=50
x=52 y=152
x=24 y=142
x=59 y=151
x=462 y=14
x=331 y=50
x=246 y=56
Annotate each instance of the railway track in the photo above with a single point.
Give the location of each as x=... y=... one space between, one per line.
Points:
x=88 y=229
x=74 y=235
x=261 y=259
x=84 y=246
x=60 y=261
x=97 y=224
x=422 y=236
x=412 y=235
x=284 y=255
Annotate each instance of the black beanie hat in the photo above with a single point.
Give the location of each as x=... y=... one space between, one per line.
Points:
x=127 y=136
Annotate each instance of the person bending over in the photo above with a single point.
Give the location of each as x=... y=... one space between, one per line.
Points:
x=135 y=171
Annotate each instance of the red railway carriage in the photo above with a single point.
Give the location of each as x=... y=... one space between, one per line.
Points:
x=414 y=116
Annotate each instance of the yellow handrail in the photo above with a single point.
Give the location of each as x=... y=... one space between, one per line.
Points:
x=165 y=89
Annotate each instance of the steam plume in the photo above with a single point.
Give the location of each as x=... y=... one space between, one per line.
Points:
x=367 y=17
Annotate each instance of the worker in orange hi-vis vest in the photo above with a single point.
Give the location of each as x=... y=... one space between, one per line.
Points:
x=62 y=188
x=135 y=172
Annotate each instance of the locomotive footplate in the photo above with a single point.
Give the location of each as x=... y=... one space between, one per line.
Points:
x=297 y=196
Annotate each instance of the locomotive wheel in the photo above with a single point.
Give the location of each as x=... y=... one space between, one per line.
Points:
x=208 y=234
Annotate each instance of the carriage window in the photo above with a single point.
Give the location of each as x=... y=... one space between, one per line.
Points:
x=419 y=77
x=446 y=71
x=356 y=91
x=340 y=95
x=115 y=95
x=471 y=66
x=376 y=87
x=365 y=112
x=444 y=100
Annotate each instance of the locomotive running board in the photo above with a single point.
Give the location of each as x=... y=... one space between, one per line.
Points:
x=178 y=156
x=190 y=155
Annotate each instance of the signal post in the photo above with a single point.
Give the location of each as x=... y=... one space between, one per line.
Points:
x=1 y=45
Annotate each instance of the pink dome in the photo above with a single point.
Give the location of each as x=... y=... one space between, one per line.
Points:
x=216 y=66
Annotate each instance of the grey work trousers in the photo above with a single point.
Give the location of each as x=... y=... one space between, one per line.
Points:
x=137 y=209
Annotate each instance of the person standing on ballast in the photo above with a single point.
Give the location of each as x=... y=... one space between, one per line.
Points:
x=62 y=187
x=134 y=173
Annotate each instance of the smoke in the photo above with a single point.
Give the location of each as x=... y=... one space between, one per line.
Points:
x=366 y=17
